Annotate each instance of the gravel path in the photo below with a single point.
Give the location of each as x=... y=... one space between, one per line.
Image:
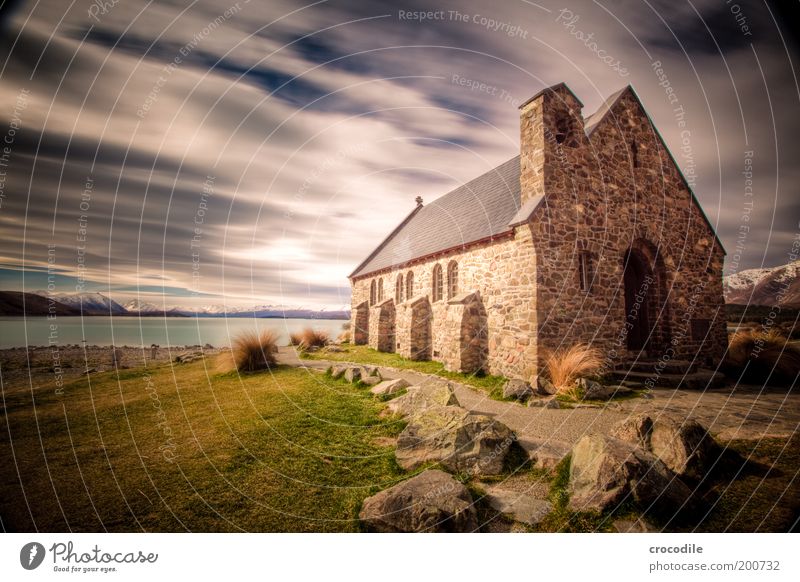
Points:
x=746 y=413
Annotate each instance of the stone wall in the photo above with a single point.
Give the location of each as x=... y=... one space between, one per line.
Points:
x=603 y=200
x=382 y=326
x=360 y=331
x=502 y=274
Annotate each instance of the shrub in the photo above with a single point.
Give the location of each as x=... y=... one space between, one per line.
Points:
x=295 y=339
x=565 y=366
x=758 y=357
x=344 y=337
x=254 y=351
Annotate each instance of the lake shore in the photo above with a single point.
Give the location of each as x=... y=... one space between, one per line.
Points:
x=68 y=362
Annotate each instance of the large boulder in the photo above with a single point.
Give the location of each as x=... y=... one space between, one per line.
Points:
x=518 y=390
x=635 y=429
x=683 y=444
x=433 y=501
x=419 y=398
x=389 y=387
x=606 y=471
x=455 y=438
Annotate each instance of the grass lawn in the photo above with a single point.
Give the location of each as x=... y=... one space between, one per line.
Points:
x=186 y=448
x=492 y=385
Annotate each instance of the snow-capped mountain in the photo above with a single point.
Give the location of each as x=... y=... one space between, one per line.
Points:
x=99 y=304
x=93 y=303
x=771 y=286
x=137 y=306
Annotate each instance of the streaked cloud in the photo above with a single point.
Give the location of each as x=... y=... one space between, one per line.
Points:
x=303 y=132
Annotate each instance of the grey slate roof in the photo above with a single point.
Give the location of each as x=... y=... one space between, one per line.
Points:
x=477 y=210
x=485 y=207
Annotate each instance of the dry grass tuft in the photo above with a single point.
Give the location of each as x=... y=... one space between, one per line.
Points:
x=254 y=351
x=761 y=357
x=309 y=339
x=567 y=365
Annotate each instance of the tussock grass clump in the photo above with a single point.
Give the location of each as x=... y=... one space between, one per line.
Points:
x=309 y=339
x=761 y=357
x=565 y=366
x=254 y=351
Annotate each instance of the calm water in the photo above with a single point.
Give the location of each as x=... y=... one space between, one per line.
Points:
x=134 y=331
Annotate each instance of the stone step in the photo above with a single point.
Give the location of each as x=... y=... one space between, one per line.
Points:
x=700 y=380
x=650 y=366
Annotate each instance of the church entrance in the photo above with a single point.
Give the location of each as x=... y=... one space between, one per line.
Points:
x=646 y=313
x=638 y=279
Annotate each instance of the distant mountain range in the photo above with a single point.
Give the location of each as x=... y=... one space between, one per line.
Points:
x=765 y=286
x=751 y=287
x=15 y=303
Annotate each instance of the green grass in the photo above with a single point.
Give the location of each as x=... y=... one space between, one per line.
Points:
x=286 y=450
x=492 y=385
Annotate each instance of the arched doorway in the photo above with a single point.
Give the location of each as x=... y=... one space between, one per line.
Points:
x=646 y=309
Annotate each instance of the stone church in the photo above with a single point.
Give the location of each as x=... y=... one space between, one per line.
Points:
x=591 y=234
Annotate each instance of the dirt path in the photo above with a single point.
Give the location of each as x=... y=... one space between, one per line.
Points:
x=747 y=413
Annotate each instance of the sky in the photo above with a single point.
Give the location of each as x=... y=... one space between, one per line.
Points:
x=254 y=152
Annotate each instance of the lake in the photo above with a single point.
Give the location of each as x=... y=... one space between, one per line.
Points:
x=136 y=331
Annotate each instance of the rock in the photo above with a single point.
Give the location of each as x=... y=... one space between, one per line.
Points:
x=370 y=380
x=547 y=402
x=518 y=390
x=367 y=371
x=455 y=438
x=352 y=374
x=683 y=445
x=543 y=386
x=635 y=429
x=592 y=390
x=433 y=501
x=545 y=454
x=605 y=471
x=519 y=506
x=419 y=398
x=389 y=387
x=633 y=526
x=338 y=371
x=334 y=349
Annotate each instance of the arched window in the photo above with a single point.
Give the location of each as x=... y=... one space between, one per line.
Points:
x=372 y=295
x=452 y=279
x=380 y=290
x=399 y=289
x=438 y=284
x=410 y=285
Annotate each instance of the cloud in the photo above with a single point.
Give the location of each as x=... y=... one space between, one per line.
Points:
x=257 y=151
